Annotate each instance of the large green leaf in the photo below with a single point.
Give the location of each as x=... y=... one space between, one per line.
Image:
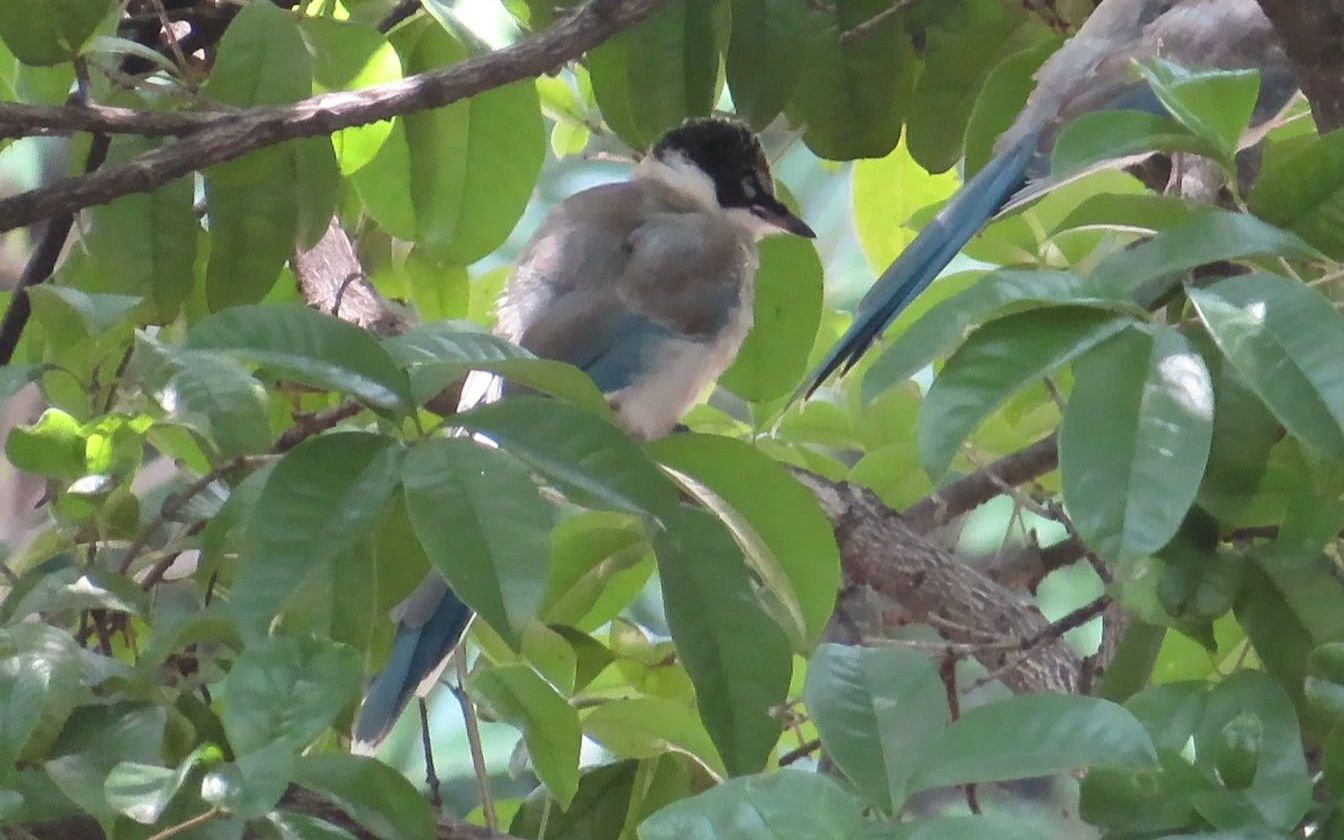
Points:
x=254 y=202
x=874 y=708
x=737 y=657
x=477 y=513
x=437 y=354
x=49 y=31
x=998 y=359
x=947 y=323
x=349 y=56
x=1213 y=104
x=143 y=244
x=762 y=63
x=600 y=808
x=600 y=561
x=1002 y=96
x=645 y=727
x=97 y=738
x=785 y=535
x=582 y=454
x=883 y=212
x=371 y=793
x=1101 y=138
x=775 y=806
x=305 y=345
x=1284 y=339
x=787 y=311
x=1207 y=237
x=550 y=726
x=53 y=446
x=651 y=77
x=209 y=392
x=143 y=791
x=472 y=164
x=852 y=94
x=324 y=496
x=1304 y=192
x=287 y=690
x=961 y=48
x=1134 y=441
x=1033 y=735
x=39 y=687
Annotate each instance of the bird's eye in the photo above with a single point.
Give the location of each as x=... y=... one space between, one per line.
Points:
x=750 y=188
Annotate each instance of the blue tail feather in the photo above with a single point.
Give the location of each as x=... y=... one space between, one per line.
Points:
x=935 y=246
x=418 y=649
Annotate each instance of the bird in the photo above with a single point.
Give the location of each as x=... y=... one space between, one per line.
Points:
x=647 y=286
x=1092 y=71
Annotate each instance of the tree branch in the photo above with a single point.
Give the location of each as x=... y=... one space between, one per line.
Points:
x=966 y=494
x=258 y=128
x=1311 y=32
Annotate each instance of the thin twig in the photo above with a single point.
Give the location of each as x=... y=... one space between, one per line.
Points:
x=869 y=26
x=799 y=752
x=474 y=740
x=198 y=820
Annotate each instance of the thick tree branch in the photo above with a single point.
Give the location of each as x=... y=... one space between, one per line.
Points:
x=1311 y=32
x=259 y=128
x=20 y=120
x=966 y=494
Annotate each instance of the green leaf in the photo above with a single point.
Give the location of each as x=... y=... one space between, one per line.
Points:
x=53 y=446
x=211 y=393
x=472 y=164
x=599 y=809
x=1005 y=91
x=373 y=794
x=960 y=50
x=348 y=56
x=143 y=791
x=1214 y=105
x=307 y=346
x=39 y=687
x=948 y=322
x=1207 y=237
x=766 y=507
x=319 y=500
x=586 y=457
x=253 y=219
x=883 y=213
x=762 y=62
x=1284 y=339
x=645 y=727
x=852 y=95
x=1303 y=191
x=61 y=308
x=1033 y=735
x=1325 y=682
x=254 y=202
x=14 y=377
x=787 y=312
x=1001 y=357
x=550 y=726
x=1150 y=398
x=144 y=244
x=46 y=32
x=737 y=657
x=649 y=78
x=438 y=354
x=477 y=513
x=600 y=562
x=774 y=806
x=1104 y=138
x=287 y=690
x=874 y=708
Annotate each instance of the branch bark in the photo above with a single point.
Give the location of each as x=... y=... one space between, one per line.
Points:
x=1311 y=32
x=258 y=128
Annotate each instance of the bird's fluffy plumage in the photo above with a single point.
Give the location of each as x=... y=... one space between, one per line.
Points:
x=647 y=286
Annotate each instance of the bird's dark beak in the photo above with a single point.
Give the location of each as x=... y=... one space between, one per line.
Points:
x=772 y=210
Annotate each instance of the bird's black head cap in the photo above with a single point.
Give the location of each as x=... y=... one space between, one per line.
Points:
x=729 y=153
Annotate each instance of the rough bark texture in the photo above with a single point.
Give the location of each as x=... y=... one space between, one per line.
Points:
x=1312 y=33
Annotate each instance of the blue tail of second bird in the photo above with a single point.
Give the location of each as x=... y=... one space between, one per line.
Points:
x=426 y=635
x=935 y=246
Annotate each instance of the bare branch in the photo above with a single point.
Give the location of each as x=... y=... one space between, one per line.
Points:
x=259 y=128
x=966 y=494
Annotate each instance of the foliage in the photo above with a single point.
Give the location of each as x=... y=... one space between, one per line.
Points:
x=173 y=657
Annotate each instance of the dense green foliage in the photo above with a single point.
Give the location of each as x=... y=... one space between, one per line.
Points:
x=173 y=655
